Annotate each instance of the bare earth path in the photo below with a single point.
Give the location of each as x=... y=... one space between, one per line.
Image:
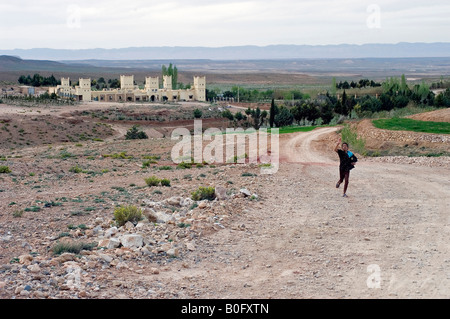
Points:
x=389 y=239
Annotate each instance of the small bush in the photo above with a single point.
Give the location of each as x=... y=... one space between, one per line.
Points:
x=121 y=155
x=146 y=164
x=350 y=136
x=75 y=169
x=204 y=193
x=18 y=213
x=127 y=213
x=165 y=182
x=248 y=174
x=152 y=181
x=165 y=168
x=198 y=113
x=74 y=248
x=4 y=169
x=134 y=134
x=184 y=165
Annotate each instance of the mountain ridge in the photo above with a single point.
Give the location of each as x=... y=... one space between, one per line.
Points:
x=252 y=52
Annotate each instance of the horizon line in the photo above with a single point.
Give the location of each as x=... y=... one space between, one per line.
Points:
x=228 y=46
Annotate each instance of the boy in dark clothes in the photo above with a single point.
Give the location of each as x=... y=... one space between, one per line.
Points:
x=348 y=160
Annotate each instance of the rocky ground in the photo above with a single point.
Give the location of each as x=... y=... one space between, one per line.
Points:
x=284 y=235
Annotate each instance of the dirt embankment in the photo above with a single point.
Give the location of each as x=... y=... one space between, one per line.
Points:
x=383 y=139
x=434 y=116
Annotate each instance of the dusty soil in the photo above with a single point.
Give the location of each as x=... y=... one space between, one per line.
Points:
x=296 y=237
x=434 y=116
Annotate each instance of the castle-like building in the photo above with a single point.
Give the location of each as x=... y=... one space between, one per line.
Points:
x=129 y=92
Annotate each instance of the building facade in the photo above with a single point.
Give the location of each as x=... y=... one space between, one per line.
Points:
x=129 y=92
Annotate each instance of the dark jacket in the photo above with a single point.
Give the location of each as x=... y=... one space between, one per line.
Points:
x=346 y=160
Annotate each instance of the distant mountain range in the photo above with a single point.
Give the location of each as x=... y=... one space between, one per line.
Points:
x=342 y=51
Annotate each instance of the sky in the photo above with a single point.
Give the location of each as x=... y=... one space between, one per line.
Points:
x=83 y=24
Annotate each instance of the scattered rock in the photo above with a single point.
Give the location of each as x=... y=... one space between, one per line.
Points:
x=111 y=232
x=34 y=268
x=129 y=225
x=162 y=217
x=173 y=252
x=202 y=205
x=221 y=193
x=131 y=241
x=25 y=259
x=175 y=201
x=187 y=202
x=245 y=191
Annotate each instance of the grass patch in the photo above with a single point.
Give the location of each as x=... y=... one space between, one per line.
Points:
x=121 y=155
x=4 y=169
x=349 y=135
x=74 y=248
x=293 y=129
x=165 y=168
x=204 y=193
x=184 y=165
x=404 y=124
x=152 y=181
x=248 y=174
x=76 y=169
x=127 y=213
x=165 y=182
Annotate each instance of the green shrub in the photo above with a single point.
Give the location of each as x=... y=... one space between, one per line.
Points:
x=152 y=181
x=350 y=136
x=74 y=248
x=204 y=193
x=165 y=182
x=165 y=168
x=134 y=134
x=184 y=165
x=75 y=169
x=121 y=155
x=4 y=169
x=248 y=174
x=146 y=164
x=18 y=213
x=127 y=213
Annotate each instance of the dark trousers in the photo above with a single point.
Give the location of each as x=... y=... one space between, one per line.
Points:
x=344 y=175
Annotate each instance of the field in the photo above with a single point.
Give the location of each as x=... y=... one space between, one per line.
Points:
x=404 y=124
x=290 y=234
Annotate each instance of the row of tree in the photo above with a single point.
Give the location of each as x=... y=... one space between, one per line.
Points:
x=396 y=94
x=38 y=80
x=253 y=95
x=361 y=84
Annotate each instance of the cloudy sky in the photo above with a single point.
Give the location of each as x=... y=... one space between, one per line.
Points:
x=83 y=24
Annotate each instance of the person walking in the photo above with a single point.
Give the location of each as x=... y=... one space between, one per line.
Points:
x=348 y=161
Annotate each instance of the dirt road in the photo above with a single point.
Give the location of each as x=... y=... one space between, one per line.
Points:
x=389 y=239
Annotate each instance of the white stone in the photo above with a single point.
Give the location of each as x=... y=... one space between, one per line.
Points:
x=245 y=191
x=109 y=243
x=111 y=232
x=186 y=202
x=175 y=200
x=105 y=257
x=129 y=225
x=34 y=268
x=220 y=193
x=174 y=252
x=132 y=241
x=162 y=217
